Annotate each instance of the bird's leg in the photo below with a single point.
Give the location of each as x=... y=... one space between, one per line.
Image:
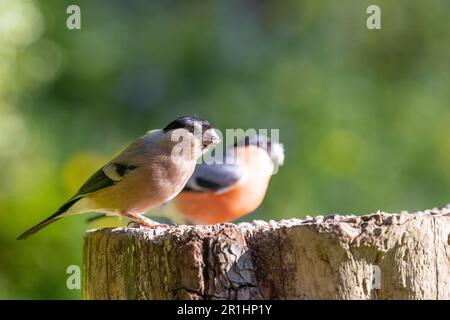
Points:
x=142 y=221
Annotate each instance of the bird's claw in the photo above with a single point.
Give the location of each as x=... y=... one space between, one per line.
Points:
x=136 y=224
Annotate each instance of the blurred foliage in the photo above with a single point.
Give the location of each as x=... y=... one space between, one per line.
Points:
x=364 y=115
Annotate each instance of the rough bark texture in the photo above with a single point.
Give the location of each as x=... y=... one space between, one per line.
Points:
x=380 y=256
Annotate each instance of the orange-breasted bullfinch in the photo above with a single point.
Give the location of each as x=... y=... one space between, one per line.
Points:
x=149 y=172
x=225 y=192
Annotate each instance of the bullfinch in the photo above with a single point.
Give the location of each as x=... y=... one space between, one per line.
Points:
x=149 y=172
x=224 y=192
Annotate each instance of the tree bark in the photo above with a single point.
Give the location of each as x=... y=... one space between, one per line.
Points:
x=380 y=256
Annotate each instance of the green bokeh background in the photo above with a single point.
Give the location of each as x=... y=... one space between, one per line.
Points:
x=364 y=115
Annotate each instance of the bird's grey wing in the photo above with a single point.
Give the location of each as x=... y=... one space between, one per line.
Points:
x=104 y=178
x=214 y=177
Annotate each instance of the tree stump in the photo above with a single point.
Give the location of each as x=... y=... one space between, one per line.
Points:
x=379 y=256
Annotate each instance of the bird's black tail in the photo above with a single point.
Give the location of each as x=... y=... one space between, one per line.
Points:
x=96 y=217
x=54 y=217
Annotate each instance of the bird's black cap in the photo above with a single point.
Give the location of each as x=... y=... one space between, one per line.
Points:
x=273 y=148
x=187 y=122
x=256 y=140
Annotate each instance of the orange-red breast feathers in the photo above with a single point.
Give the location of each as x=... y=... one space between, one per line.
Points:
x=239 y=199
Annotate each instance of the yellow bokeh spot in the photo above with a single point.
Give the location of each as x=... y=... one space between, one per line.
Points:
x=79 y=168
x=341 y=152
x=21 y=22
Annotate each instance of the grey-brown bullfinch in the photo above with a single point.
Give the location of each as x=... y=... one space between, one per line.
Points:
x=149 y=172
x=224 y=192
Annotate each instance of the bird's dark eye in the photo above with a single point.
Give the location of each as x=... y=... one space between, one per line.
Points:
x=205 y=125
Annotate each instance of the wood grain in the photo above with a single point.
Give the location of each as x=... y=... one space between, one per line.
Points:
x=378 y=256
